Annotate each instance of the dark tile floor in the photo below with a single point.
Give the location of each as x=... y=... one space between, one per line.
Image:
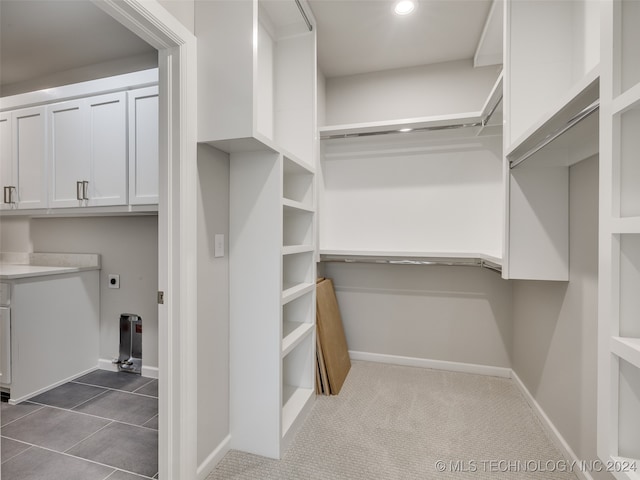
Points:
x=102 y=426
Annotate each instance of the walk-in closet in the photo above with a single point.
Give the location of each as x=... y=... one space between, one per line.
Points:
x=464 y=172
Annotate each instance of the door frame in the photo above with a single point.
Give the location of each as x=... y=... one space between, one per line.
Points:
x=177 y=223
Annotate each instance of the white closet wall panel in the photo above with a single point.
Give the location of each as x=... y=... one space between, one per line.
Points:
x=431 y=90
x=294 y=108
x=437 y=197
x=265 y=80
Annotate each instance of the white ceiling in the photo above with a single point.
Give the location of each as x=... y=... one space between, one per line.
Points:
x=43 y=37
x=360 y=36
x=40 y=37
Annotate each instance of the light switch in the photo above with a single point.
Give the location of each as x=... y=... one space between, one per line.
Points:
x=218 y=249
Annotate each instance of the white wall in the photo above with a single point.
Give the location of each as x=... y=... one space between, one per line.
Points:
x=554 y=330
x=417 y=196
x=81 y=74
x=183 y=10
x=128 y=246
x=321 y=98
x=444 y=88
x=458 y=314
x=213 y=301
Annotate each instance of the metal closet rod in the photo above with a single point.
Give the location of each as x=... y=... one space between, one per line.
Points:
x=304 y=15
x=473 y=262
x=481 y=123
x=573 y=121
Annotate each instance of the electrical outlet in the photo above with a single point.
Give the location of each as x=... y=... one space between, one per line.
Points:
x=114 y=281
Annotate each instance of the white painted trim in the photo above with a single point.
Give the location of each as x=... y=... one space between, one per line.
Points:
x=101 y=86
x=150 y=372
x=206 y=467
x=15 y=401
x=434 y=364
x=177 y=223
x=556 y=436
x=107 y=365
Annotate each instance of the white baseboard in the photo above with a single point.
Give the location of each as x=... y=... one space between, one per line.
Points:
x=206 y=467
x=434 y=364
x=558 y=439
x=15 y=401
x=148 y=372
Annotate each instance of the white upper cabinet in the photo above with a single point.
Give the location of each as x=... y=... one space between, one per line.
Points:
x=29 y=154
x=68 y=154
x=143 y=146
x=107 y=149
x=7 y=179
x=88 y=151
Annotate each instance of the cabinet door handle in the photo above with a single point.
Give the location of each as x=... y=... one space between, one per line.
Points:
x=8 y=194
x=79 y=190
x=85 y=190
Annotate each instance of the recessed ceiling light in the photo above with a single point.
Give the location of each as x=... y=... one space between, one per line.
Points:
x=404 y=7
x=405 y=130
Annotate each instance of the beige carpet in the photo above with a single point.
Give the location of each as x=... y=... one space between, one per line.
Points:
x=392 y=422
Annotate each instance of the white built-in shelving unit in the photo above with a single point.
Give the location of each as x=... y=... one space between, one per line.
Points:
x=619 y=242
x=551 y=100
x=429 y=195
x=262 y=56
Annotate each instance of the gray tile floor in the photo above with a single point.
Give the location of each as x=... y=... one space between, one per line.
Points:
x=102 y=426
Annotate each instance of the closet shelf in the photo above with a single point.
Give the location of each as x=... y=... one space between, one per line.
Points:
x=294 y=400
x=414 y=258
x=578 y=104
x=627 y=348
x=463 y=125
x=629 y=225
x=293 y=333
x=291 y=293
x=292 y=205
x=629 y=99
x=293 y=249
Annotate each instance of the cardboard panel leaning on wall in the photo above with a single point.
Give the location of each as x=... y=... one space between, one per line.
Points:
x=129 y=247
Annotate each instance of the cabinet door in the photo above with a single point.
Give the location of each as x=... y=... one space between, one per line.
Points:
x=7 y=178
x=5 y=345
x=29 y=155
x=107 y=149
x=68 y=153
x=143 y=146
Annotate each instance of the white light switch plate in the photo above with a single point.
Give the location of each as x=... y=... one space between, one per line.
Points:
x=218 y=249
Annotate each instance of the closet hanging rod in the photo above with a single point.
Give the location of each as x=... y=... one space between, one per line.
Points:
x=573 y=121
x=304 y=15
x=481 y=122
x=387 y=132
x=466 y=262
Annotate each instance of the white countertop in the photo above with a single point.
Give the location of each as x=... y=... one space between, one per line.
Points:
x=25 y=265
x=12 y=272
